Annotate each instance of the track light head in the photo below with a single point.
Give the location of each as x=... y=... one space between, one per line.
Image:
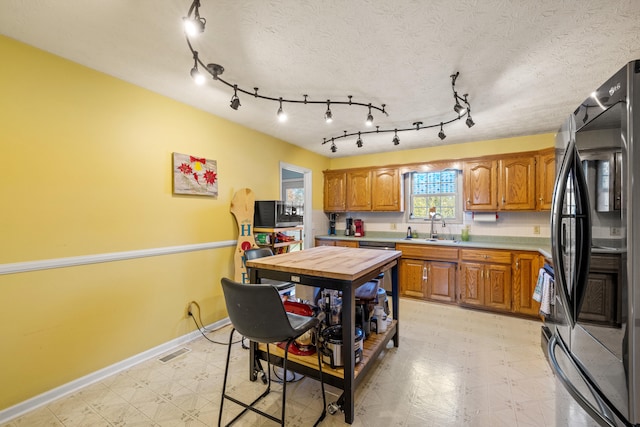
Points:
x=396 y=140
x=441 y=134
x=194 y=26
x=328 y=116
x=282 y=116
x=197 y=76
x=369 y=121
x=333 y=147
x=459 y=109
x=359 y=141
x=235 y=101
x=469 y=122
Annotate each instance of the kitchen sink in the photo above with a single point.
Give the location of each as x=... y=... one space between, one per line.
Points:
x=449 y=241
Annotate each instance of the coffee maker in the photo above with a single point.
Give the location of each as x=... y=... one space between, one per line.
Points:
x=332 y=223
x=348 y=230
x=359 y=224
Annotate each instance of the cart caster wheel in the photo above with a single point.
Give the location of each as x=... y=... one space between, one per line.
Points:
x=263 y=377
x=333 y=408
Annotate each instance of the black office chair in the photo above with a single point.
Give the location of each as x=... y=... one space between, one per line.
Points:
x=256 y=311
x=256 y=253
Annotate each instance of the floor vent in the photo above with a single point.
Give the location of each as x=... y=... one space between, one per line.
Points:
x=171 y=356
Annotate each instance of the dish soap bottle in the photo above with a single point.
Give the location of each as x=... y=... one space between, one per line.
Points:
x=409 y=235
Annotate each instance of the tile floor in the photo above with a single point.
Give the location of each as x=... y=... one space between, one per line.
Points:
x=453 y=367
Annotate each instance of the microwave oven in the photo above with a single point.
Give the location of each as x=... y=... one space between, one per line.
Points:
x=276 y=213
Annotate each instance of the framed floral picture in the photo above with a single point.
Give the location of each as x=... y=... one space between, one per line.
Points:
x=194 y=175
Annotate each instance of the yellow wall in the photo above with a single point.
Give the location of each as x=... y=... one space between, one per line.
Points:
x=445 y=152
x=86 y=169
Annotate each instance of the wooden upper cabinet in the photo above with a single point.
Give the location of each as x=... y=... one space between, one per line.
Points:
x=480 y=185
x=517 y=181
x=546 y=170
x=359 y=190
x=335 y=191
x=385 y=190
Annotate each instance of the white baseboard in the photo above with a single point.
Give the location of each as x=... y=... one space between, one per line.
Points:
x=73 y=386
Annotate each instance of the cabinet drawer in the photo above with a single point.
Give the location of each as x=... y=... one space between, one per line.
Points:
x=428 y=252
x=486 y=255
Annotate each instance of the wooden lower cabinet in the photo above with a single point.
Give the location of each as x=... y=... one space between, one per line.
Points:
x=486 y=283
x=526 y=266
x=433 y=280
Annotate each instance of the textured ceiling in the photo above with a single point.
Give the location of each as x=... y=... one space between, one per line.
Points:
x=526 y=65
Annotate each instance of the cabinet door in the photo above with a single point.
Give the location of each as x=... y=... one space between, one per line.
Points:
x=335 y=191
x=517 y=183
x=497 y=280
x=441 y=281
x=359 y=190
x=385 y=190
x=480 y=185
x=546 y=171
x=412 y=275
x=525 y=276
x=471 y=283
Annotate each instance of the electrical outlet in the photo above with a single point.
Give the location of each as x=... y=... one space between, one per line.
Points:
x=536 y=229
x=188 y=312
x=614 y=231
x=393 y=226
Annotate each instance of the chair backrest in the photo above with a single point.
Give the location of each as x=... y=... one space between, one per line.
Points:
x=256 y=311
x=257 y=253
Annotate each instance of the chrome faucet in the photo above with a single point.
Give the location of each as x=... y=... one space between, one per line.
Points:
x=433 y=234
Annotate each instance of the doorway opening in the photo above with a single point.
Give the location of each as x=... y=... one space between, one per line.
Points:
x=295 y=187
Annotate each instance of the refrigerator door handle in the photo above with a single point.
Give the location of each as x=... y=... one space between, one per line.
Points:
x=559 y=233
x=596 y=414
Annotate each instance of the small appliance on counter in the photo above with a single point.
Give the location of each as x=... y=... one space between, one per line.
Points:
x=359 y=225
x=348 y=230
x=332 y=223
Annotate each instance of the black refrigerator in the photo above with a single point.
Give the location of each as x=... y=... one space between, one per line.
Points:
x=594 y=326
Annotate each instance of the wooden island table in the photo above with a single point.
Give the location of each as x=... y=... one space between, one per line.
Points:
x=344 y=269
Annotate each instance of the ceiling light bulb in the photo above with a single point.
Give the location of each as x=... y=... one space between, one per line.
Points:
x=369 y=121
x=328 y=117
x=282 y=116
x=194 y=26
x=197 y=76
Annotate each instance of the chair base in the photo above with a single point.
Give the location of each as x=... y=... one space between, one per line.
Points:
x=251 y=406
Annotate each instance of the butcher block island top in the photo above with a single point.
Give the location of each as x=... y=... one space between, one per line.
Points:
x=333 y=262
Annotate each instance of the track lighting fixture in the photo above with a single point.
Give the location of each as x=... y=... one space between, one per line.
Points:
x=194 y=24
x=369 y=121
x=282 y=116
x=328 y=117
x=465 y=111
x=441 y=134
x=235 y=101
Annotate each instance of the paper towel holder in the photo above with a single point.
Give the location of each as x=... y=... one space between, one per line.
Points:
x=473 y=216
